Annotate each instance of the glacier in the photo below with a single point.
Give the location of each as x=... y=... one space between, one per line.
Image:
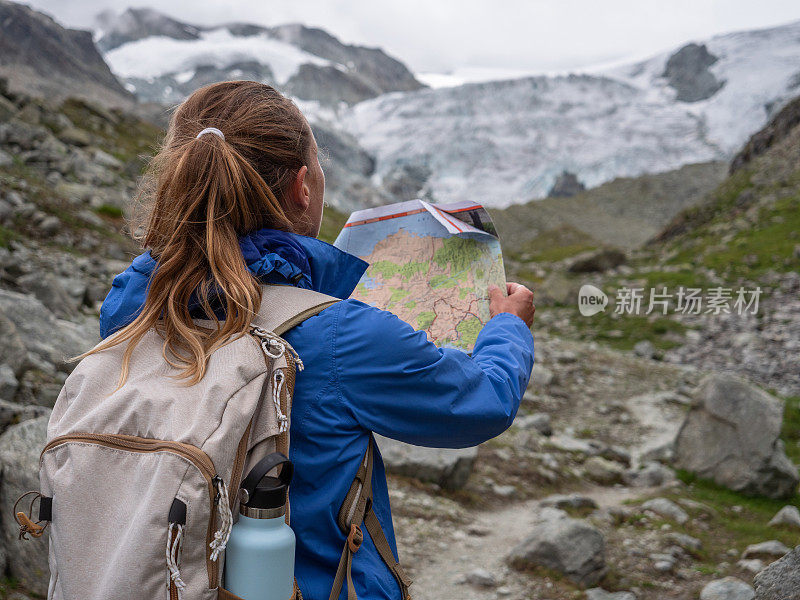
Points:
x=505 y=142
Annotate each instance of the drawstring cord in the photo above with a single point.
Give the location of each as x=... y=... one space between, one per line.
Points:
x=223 y=534
x=274 y=346
x=25 y=521
x=174 y=547
x=277 y=387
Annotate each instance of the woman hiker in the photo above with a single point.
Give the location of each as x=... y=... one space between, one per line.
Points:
x=237 y=199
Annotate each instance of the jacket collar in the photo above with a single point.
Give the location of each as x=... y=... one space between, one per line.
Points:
x=286 y=258
x=276 y=257
x=289 y=258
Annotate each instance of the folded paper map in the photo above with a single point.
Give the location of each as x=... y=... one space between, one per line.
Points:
x=430 y=264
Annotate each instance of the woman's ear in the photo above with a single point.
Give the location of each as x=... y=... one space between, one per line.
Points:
x=299 y=193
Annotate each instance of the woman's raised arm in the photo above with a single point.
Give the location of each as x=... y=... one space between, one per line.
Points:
x=400 y=385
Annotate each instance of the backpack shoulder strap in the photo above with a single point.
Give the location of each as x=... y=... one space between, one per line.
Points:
x=355 y=510
x=284 y=306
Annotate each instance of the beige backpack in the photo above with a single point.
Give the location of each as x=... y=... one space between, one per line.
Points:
x=139 y=484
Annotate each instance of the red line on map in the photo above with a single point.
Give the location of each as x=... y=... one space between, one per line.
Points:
x=463 y=209
x=385 y=218
x=405 y=214
x=449 y=220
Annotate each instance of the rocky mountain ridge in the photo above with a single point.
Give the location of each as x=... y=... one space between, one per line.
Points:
x=40 y=56
x=163 y=60
x=504 y=142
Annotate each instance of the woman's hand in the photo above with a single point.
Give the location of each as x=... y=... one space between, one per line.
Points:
x=518 y=302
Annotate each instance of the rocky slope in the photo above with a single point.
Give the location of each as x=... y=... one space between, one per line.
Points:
x=38 y=55
x=625 y=212
x=45 y=60
x=592 y=508
x=506 y=142
x=742 y=235
x=163 y=60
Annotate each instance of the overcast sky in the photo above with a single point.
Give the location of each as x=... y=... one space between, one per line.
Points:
x=511 y=35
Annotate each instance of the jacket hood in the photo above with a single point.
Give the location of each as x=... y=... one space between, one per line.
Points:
x=273 y=256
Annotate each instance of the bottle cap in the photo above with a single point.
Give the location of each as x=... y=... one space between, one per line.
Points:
x=269 y=493
x=263 y=496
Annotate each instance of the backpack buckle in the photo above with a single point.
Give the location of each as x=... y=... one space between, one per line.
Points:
x=355 y=538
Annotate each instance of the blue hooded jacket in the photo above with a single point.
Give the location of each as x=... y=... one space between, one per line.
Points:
x=365 y=370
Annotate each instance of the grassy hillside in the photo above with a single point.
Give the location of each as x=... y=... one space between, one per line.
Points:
x=749 y=227
x=746 y=231
x=332 y=223
x=625 y=212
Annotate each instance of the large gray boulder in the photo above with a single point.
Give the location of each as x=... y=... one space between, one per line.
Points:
x=603 y=471
x=731 y=435
x=781 y=579
x=597 y=261
x=569 y=546
x=12 y=413
x=45 y=337
x=788 y=516
x=8 y=383
x=728 y=588
x=666 y=509
x=20 y=446
x=448 y=467
x=12 y=351
x=772 y=550
x=49 y=290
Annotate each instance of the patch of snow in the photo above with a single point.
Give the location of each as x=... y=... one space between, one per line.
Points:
x=154 y=56
x=757 y=67
x=316 y=112
x=439 y=80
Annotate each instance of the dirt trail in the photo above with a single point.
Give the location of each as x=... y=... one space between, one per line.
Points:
x=441 y=577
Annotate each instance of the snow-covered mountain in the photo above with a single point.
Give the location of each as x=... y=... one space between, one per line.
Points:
x=499 y=142
x=162 y=60
x=506 y=142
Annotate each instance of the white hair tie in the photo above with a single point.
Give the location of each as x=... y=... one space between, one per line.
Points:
x=213 y=130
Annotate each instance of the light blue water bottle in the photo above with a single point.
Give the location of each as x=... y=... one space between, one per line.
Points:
x=259 y=559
